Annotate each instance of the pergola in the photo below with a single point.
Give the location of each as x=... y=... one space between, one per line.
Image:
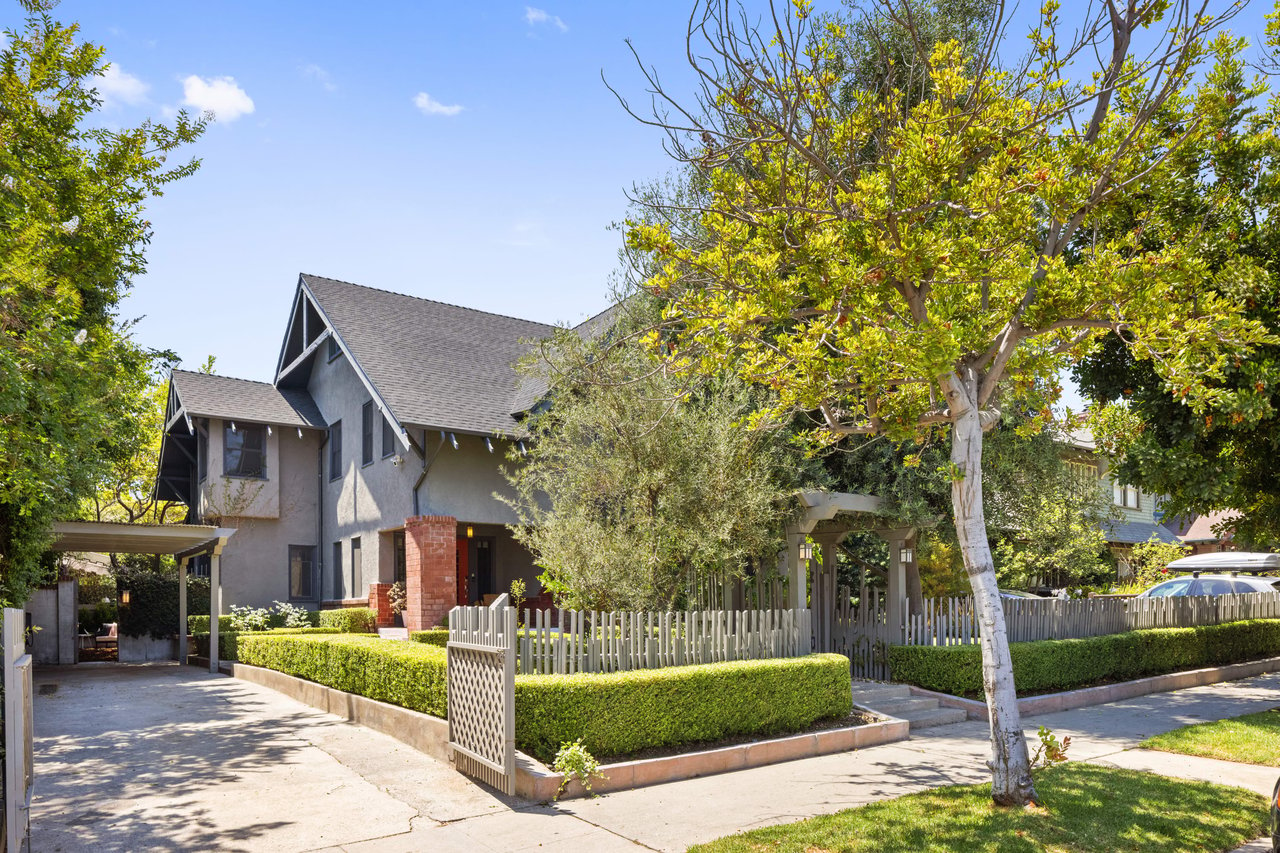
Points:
x=827 y=518
x=183 y=541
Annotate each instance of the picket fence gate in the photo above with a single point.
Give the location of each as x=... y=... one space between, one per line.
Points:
x=481 y=693
x=18 y=782
x=562 y=642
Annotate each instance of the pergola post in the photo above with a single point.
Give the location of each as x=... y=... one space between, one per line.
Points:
x=182 y=611
x=897 y=604
x=215 y=607
x=797 y=574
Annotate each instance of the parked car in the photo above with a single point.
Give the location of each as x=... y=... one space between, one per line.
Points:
x=1210 y=585
x=1275 y=818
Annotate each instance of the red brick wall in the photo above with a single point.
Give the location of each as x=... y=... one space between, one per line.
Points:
x=431 y=568
x=380 y=604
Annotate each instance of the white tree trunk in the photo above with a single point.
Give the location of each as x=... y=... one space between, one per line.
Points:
x=1010 y=764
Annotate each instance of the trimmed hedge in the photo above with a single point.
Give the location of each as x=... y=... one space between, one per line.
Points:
x=411 y=675
x=1050 y=666
x=350 y=620
x=227 y=644
x=200 y=624
x=432 y=637
x=624 y=712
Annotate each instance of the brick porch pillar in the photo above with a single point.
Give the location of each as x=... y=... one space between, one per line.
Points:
x=431 y=568
x=380 y=604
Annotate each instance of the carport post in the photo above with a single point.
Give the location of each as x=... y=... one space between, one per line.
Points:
x=215 y=607
x=182 y=611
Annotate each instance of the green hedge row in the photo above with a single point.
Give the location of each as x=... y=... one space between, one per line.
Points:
x=614 y=714
x=620 y=713
x=1049 y=666
x=432 y=637
x=411 y=675
x=227 y=640
x=350 y=620
x=200 y=624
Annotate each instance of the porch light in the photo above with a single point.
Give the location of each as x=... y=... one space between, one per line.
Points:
x=488 y=444
x=806 y=550
x=124 y=597
x=470 y=531
x=907 y=555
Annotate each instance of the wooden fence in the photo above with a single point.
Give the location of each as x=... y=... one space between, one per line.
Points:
x=589 y=641
x=951 y=621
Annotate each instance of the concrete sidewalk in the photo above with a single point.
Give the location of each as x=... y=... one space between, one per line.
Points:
x=162 y=757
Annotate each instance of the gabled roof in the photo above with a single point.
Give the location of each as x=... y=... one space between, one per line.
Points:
x=435 y=365
x=531 y=389
x=209 y=396
x=1201 y=529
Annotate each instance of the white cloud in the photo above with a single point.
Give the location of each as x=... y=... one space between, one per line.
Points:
x=218 y=95
x=118 y=86
x=315 y=72
x=533 y=17
x=430 y=106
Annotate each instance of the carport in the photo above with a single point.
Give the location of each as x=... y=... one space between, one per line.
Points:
x=183 y=541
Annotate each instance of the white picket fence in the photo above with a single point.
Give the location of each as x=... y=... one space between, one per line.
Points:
x=568 y=641
x=952 y=621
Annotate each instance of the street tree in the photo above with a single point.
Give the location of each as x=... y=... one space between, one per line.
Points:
x=898 y=263
x=72 y=196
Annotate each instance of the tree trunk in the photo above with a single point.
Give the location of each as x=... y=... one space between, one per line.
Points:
x=1010 y=763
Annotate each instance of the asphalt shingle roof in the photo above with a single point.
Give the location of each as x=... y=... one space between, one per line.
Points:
x=1133 y=532
x=436 y=365
x=206 y=395
x=531 y=389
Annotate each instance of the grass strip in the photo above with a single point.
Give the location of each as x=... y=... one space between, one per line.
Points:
x=1251 y=739
x=1087 y=807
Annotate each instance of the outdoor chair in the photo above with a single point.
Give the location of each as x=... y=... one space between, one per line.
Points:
x=111 y=638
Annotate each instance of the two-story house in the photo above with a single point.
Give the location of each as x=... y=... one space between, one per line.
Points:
x=374 y=456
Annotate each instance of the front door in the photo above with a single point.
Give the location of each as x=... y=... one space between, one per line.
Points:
x=480 y=577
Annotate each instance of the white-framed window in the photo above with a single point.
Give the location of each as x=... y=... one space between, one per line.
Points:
x=1084 y=475
x=1124 y=496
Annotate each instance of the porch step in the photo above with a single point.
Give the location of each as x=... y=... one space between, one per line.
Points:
x=900 y=708
x=937 y=716
x=869 y=693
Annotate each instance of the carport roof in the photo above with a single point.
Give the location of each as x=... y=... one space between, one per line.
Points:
x=113 y=537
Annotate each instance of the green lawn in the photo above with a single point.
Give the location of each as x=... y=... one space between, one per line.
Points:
x=1251 y=739
x=1086 y=808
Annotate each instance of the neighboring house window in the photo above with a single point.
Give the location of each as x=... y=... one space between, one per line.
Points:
x=1125 y=496
x=337 y=570
x=366 y=434
x=357 y=568
x=1084 y=476
x=335 y=450
x=244 y=451
x=388 y=438
x=334 y=349
x=302 y=563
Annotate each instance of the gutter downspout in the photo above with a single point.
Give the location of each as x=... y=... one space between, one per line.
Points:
x=426 y=467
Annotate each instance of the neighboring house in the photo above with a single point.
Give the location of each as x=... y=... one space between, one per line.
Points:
x=1201 y=533
x=373 y=457
x=1138 y=515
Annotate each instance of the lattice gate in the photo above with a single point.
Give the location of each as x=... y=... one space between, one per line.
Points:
x=17 y=751
x=481 y=693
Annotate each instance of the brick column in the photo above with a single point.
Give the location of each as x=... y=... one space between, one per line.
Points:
x=431 y=568
x=380 y=604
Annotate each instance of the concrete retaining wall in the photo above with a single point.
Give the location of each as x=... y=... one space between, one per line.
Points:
x=1085 y=697
x=142 y=649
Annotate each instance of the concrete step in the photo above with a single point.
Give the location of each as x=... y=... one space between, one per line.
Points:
x=869 y=694
x=934 y=717
x=899 y=707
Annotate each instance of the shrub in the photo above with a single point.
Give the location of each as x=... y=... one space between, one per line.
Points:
x=432 y=637
x=350 y=620
x=200 y=624
x=227 y=640
x=411 y=675
x=1053 y=665
x=624 y=712
x=93 y=618
x=153 y=601
x=244 y=618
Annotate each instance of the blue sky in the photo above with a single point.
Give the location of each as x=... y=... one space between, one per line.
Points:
x=465 y=152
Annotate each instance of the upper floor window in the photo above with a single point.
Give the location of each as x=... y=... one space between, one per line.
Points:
x=334 y=349
x=244 y=450
x=388 y=438
x=335 y=450
x=1084 y=476
x=1125 y=496
x=366 y=434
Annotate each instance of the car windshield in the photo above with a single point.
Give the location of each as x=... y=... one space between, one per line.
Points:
x=1173 y=587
